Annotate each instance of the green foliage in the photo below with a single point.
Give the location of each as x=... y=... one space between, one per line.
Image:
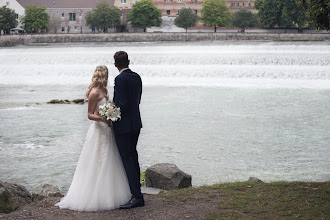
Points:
x=268 y=12
x=281 y=13
x=143 y=178
x=103 y=17
x=187 y=18
x=144 y=14
x=7 y=19
x=244 y=18
x=35 y=19
x=216 y=13
x=318 y=12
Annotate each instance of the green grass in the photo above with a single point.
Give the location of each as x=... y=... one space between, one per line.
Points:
x=143 y=178
x=250 y=200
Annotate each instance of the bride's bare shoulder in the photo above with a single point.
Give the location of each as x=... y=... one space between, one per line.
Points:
x=95 y=93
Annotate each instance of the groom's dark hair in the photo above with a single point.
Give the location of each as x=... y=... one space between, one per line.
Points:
x=121 y=59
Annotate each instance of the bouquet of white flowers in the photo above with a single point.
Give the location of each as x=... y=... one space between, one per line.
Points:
x=109 y=111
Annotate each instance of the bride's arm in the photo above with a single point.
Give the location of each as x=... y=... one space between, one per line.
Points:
x=93 y=98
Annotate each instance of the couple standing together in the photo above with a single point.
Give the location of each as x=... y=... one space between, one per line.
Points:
x=108 y=173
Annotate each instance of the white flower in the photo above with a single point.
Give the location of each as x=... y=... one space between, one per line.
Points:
x=109 y=111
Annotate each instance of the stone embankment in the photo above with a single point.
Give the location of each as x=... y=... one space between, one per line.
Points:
x=12 y=40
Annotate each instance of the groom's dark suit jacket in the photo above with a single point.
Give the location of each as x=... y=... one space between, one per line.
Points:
x=127 y=96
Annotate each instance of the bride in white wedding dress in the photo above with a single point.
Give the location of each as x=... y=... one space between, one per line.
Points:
x=100 y=181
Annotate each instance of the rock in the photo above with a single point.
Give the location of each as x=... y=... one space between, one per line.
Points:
x=12 y=196
x=150 y=191
x=54 y=101
x=167 y=176
x=46 y=190
x=79 y=101
x=66 y=101
x=254 y=179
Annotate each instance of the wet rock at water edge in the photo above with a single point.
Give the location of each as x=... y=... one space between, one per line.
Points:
x=255 y=179
x=46 y=190
x=66 y=101
x=167 y=176
x=79 y=101
x=12 y=196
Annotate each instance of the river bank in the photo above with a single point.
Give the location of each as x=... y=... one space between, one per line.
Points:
x=12 y=40
x=240 y=200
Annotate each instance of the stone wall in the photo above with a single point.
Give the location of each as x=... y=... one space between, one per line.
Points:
x=11 y=40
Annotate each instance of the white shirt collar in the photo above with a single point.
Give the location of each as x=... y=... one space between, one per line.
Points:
x=123 y=70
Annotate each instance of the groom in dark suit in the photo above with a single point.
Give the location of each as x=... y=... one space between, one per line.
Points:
x=127 y=96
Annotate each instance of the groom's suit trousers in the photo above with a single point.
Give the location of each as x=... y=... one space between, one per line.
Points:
x=127 y=148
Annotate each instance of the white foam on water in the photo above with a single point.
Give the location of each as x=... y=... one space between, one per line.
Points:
x=189 y=64
x=28 y=145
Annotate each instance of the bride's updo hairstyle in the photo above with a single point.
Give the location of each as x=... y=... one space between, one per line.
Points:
x=99 y=79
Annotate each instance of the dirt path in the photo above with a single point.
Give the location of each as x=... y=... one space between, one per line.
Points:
x=155 y=208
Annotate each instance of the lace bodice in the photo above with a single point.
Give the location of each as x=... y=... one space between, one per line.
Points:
x=101 y=102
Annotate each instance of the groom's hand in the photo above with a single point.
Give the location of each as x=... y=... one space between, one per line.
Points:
x=109 y=122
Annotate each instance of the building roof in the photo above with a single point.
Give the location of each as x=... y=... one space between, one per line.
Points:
x=64 y=3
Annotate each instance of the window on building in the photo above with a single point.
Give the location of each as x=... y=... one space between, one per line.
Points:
x=237 y=4
x=249 y=4
x=232 y=4
x=80 y=14
x=62 y=15
x=72 y=16
x=7 y=3
x=123 y=1
x=168 y=12
x=63 y=29
x=16 y=16
x=178 y=12
x=195 y=11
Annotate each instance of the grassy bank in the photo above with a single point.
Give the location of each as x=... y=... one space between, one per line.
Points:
x=242 y=200
x=251 y=200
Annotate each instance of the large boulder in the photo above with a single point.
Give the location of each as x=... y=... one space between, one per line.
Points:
x=46 y=190
x=254 y=179
x=12 y=196
x=167 y=176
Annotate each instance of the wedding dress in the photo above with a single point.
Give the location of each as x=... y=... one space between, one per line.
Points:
x=100 y=181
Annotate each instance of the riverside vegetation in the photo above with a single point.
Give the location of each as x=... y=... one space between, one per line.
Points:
x=240 y=200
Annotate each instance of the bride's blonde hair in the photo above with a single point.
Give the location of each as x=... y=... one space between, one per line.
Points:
x=99 y=79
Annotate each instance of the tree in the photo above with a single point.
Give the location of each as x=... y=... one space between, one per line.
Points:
x=269 y=13
x=187 y=18
x=35 y=19
x=292 y=14
x=281 y=13
x=7 y=19
x=144 y=14
x=244 y=18
x=318 y=12
x=216 y=13
x=103 y=17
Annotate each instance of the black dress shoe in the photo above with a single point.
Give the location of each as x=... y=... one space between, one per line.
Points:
x=133 y=203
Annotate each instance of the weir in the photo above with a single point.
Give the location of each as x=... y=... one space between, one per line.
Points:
x=155 y=37
x=274 y=64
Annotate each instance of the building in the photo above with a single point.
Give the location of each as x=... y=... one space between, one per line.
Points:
x=66 y=16
x=171 y=8
x=13 y=4
x=125 y=6
x=235 y=5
